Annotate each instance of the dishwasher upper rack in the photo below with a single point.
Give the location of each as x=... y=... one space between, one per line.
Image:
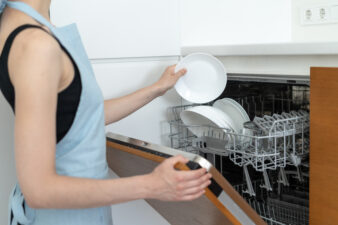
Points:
x=285 y=143
x=259 y=105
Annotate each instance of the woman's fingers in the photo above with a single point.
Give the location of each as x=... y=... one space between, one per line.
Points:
x=196 y=189
x=173 y=185
x=176 y=159
x=196 y=182
x=193 y=196
x=192 y=188
x=169 y=79
x=191 y=174
x=181 y=73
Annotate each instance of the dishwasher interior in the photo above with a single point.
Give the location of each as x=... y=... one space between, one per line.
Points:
x=269 y=165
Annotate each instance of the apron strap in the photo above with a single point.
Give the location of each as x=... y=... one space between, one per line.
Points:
x=27 y=9
x=17 y=207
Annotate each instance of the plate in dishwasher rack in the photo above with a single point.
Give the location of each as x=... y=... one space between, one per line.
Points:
x=205 y=80
x=207 y=121
x=235 y=111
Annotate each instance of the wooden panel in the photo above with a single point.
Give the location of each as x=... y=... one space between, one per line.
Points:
x=324 y=146
x=199 y=212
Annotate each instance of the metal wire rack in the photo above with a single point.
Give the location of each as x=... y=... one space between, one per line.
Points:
x=276 y=212
x=279 y=140
x=273 y=210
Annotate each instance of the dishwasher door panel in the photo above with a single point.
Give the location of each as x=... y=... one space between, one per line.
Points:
x=129 y=158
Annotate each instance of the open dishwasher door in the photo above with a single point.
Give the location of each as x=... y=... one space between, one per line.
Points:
x=220 y=205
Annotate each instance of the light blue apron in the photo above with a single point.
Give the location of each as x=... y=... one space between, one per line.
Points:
x=82 y=152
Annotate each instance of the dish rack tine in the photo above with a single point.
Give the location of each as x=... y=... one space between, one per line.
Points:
x=267 y=184
x=299 y=175
x=250 y=189
x=282 y=177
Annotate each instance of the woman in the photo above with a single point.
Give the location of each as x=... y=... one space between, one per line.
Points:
x=59 y=127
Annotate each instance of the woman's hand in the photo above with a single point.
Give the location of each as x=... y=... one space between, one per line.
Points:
x=118 y=108
x=169 y=79
x=169 y=184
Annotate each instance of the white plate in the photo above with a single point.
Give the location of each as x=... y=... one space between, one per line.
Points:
x=235 y=111
x=200 y=118
x=205 y=80
x=225 y=118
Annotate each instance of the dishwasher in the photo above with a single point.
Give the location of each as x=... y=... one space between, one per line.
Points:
x=268 y=167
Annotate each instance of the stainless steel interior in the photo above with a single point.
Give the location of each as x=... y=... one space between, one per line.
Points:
x=270 y=166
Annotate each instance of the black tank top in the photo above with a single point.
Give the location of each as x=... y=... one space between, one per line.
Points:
x=68 y=100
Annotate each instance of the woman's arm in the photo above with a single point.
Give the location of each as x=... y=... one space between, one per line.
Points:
x=119 y=108
x=35 y=65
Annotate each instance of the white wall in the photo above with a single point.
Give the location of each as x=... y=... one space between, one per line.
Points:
x=7 y=165
x=311 y=33
x=217 y=22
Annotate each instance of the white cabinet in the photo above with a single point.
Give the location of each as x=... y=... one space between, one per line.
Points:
x=123 y=28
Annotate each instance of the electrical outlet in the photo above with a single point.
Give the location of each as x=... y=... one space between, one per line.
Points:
x=320 y=14
x=307 y=16
x=323 y=14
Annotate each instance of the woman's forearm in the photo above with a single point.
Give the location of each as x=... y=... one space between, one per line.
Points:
x=164 y=183
x=60 y=192
x=119 y=108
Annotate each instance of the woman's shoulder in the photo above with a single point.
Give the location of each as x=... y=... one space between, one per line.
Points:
x=34 y=41
x=33 y=52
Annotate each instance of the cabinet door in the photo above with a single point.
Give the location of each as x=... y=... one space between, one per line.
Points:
x=123 y=28
x=324 y=146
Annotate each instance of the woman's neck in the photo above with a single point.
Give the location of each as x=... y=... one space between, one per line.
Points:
x=41 y=6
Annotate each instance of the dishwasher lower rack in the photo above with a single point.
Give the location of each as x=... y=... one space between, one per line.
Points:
x=274 y=208
x=276 y=212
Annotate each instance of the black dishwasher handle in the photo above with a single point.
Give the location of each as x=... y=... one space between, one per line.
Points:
x=214 y=186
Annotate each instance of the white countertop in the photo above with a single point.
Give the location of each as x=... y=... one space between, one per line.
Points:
x=288 y=48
